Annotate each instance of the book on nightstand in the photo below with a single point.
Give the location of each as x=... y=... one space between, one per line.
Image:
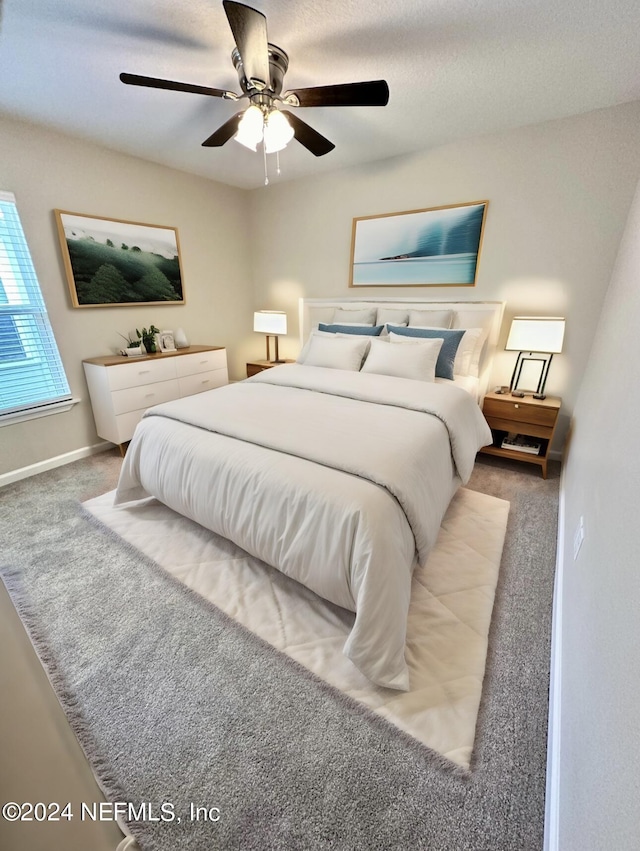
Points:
x=521 y=443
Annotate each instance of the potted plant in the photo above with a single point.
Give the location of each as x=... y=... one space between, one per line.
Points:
x=133 y=348
x=148 y=337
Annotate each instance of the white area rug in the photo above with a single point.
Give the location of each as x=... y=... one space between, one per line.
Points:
x=449 y=617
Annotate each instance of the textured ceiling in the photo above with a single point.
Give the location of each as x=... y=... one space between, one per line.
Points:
x=455 y=68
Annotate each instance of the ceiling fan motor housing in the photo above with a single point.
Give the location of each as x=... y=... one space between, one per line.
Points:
x=278 y=64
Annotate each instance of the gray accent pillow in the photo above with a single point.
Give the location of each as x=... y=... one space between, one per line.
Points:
x=362 y=330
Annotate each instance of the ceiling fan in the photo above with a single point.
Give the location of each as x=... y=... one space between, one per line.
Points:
x=261 y=67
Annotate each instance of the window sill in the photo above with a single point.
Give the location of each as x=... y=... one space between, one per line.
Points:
x=35 y=413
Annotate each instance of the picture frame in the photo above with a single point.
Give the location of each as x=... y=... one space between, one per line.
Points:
x=433 y=247
x=119 y=263
x=166 y=342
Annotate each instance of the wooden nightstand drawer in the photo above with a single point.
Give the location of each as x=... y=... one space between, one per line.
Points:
x=534 y=420
x=515 y=411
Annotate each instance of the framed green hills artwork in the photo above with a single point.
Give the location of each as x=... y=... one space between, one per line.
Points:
x=109 y=262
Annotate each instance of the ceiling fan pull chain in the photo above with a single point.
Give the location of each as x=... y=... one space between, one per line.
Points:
x=266 y=176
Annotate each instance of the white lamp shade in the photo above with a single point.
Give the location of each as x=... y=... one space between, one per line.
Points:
x=272 y=322
x=277 y=132
x=536 y=334
x=250 y=128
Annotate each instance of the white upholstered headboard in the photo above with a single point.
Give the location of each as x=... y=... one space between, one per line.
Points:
x=467 y=314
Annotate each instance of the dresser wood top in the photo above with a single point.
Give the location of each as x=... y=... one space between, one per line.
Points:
x=116 y=360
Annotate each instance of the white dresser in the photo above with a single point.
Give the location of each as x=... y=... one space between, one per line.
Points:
x=122 y=388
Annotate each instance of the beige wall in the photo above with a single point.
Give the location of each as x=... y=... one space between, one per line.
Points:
x=558 y=195
x=599 y=758
x=47 y=170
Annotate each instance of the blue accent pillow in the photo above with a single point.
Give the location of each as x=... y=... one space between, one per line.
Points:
x=444 y=364
x=368 y=330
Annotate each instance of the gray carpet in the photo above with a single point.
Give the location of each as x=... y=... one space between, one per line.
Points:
x=172 y=701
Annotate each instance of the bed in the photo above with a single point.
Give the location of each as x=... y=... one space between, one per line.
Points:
x=337 y=475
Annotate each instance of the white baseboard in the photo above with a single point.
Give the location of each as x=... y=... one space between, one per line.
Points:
x=51 y=463
x=552 y=802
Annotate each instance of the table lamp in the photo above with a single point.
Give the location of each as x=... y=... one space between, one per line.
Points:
x=273 y=323
x=539 y=335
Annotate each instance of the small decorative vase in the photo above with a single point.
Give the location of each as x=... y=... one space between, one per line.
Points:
x=149 y=344
x=133 y=351
x=180 y=339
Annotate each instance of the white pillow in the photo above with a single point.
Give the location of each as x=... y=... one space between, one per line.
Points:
x=466 y=362
x=305 y=349
x=336 y=352
x=416 y=360
x=471 y=320
x=318 y=333
x=344 y=316
x=393 y=316
x=431 y=318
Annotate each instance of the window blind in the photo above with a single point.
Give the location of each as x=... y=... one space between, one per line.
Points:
x=31 y=372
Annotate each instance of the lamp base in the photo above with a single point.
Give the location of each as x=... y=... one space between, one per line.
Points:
x=539 y=396
x=277 y=358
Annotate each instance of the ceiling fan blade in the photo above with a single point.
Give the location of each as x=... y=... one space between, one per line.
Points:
x=155 y=83
x=372 y=93
x=249 y=28
x=307 y=136
x=224 y=133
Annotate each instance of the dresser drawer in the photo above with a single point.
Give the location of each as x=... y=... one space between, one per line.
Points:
x=518 y=412
x=192 y=384
x=201 y=362
x=141 y=398
x=138 y=374
x=124 y=426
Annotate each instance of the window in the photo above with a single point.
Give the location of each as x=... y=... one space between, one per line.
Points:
x=32 y=379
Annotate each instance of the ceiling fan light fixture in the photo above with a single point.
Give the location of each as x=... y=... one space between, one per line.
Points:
x=251 y=128
x=277 y=132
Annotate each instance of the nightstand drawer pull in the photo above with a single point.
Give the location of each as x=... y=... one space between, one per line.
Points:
x=516 y=405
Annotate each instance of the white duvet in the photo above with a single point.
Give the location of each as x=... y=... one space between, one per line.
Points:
x=339 y=479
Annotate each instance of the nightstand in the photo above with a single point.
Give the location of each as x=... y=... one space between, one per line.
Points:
x=529 y=417
x=256 y=366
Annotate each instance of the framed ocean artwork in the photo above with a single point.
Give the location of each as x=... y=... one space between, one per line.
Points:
x=436 y=247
